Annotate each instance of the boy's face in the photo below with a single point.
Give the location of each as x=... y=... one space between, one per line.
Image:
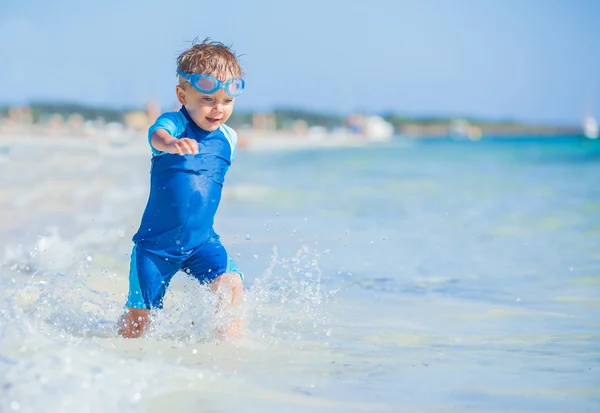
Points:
x=208 y=111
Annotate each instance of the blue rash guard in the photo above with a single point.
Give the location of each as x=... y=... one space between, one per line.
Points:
x=176 y=230
x=185 y=190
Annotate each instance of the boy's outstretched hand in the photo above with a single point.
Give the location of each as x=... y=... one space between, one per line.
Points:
x=162 y=141
x=183 y=146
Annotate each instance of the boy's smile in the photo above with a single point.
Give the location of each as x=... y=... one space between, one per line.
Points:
x=209 y=111
x=212 y=120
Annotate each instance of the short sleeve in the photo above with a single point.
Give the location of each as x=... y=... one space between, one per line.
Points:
x=232 y=137
x=173 y=122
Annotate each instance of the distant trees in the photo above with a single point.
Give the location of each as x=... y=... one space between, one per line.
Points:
x=284 y=116
x=42 y=110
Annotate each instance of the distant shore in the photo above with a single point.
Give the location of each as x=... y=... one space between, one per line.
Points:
x=278 y=127
x=118 y=139
x=427 y=131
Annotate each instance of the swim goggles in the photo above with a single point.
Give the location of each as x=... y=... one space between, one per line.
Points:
x=209 y=84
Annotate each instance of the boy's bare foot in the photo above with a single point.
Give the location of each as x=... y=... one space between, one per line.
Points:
x=134 y=323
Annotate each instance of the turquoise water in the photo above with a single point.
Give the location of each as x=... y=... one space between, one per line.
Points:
x=420 y=276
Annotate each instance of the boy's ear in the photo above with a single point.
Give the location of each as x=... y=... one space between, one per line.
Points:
x=180 y=94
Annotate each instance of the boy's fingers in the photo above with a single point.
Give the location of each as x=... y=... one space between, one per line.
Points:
x=188 y=147
x=192 y=145
x=185 y=146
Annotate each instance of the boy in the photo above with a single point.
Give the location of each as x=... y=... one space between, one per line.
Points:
x=191 y=152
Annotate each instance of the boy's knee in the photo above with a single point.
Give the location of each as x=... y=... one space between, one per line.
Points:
x=230 y=281
x=233 y=279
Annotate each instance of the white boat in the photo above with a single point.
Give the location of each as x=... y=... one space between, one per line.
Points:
x=590 y=128
x=376 y=129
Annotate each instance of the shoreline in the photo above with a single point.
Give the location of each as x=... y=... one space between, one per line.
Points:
x=130 y=142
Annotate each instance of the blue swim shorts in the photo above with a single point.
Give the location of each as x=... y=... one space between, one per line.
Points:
x=150 y=273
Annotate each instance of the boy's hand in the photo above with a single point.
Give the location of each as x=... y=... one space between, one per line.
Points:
x=183 y=146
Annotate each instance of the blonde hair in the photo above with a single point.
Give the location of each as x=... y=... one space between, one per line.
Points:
x=209 y=57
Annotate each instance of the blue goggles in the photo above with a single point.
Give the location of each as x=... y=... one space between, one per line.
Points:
x=209 y=84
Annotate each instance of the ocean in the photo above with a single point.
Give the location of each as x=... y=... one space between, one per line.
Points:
x=415 y=276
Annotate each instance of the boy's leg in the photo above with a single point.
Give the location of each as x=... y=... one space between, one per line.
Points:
x=149 y=276
x=210 y=264
x=229 y=290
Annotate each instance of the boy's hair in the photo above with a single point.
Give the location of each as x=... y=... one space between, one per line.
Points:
x=209 y=57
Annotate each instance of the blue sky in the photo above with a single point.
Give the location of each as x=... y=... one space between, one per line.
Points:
x=530 y=60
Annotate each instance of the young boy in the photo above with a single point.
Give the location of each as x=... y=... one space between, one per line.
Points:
x=191 y=152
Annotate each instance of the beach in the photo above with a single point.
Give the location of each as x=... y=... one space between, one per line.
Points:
x=409 y=275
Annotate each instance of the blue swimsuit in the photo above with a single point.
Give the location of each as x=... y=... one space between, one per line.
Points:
x=176 y=232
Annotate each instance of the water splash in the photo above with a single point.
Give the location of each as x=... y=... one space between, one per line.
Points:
x=58 y=331
x=287 y=302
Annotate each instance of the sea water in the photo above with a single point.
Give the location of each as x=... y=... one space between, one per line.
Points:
x=421 y=276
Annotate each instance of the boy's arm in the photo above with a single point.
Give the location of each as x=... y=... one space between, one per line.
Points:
x=162 y=141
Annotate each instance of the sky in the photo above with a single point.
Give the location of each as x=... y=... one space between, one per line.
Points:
x=526 y=60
